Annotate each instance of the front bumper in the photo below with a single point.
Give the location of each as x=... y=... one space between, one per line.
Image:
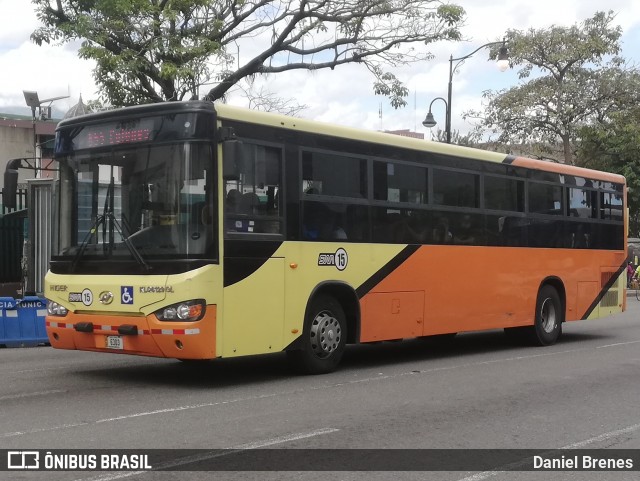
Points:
x=141 y=335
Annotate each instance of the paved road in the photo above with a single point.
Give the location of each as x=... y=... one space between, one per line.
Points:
x=477 y=392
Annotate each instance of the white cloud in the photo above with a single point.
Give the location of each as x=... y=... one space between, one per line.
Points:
x=17 y=20
x=50 y=70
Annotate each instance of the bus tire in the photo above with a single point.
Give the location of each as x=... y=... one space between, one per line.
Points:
x=547 y=326
x=323 y=339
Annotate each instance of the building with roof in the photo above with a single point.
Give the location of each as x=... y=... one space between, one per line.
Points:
x=406 y=133
x=21 y=137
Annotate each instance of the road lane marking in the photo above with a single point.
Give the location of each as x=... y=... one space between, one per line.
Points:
x=617 y=344
x=140 y=414
x=285 y=439
x=110 y=365
x=603 y=437
x=42 y=430
x=185 y=408
x=30 y=394
x=205 y=457
x=37 y=370
x=580 y=444
x=484 y=363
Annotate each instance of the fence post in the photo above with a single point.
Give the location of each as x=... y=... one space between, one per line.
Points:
x=40 y=232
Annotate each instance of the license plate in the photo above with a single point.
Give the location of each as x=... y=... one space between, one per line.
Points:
x=115 y=342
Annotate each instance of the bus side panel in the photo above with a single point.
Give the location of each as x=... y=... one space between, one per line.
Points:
x=392 y=315
x=475 y=288
x=253 y=319
x=607 y=302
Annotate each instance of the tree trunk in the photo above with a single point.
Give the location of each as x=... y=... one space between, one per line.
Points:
x=566 y=146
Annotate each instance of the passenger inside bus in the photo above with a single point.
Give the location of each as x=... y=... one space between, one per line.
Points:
x=233 y=200
x=441 y=233
x=464 y=234
x=321 y=223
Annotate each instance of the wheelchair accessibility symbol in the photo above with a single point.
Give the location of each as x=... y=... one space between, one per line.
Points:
x=126 y=294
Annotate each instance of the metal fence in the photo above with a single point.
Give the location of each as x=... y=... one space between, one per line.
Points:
x=13 y=225
x=21 y=202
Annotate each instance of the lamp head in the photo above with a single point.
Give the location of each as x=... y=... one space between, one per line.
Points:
x=503 y=57
x=429 y=121
x=31 y=98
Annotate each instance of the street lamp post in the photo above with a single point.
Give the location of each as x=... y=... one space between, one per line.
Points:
x=503 y=64
x=32 y=100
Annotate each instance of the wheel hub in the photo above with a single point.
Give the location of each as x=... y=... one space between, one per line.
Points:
x=325 y=334
x=548 y=316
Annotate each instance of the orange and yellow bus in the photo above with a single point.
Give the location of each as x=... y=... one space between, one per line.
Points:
x=191 y=230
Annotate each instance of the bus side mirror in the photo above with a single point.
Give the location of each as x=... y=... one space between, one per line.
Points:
x=10 y=188
x=230 y=154
x=234 y=153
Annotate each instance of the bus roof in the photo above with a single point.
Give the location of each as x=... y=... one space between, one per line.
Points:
x=334 y=130
x=241 y=114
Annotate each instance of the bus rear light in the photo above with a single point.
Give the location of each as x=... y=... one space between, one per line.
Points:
x=55 y=309
x=187 y=311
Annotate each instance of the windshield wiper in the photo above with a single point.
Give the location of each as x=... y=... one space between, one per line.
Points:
x=108 y=215
x=85 y=242
x=102 y=219
x=134 y=252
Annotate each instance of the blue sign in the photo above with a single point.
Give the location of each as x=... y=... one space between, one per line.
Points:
x=126 y=294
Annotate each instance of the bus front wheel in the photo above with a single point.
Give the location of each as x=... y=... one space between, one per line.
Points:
x=547 y=326
x=323 y=339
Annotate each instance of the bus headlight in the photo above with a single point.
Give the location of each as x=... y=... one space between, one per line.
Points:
x=187 y=311
x=55 y=309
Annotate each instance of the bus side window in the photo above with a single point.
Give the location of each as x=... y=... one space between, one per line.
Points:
x=251 y=199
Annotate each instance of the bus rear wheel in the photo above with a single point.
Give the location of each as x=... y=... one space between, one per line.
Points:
x=323 y=339
x=547 y=326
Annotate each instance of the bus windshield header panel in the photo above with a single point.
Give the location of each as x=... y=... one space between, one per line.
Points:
x=130 y=130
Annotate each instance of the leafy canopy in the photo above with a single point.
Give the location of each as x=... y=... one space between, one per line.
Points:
x=614 y=146
x=571 y=77
x=158 y=50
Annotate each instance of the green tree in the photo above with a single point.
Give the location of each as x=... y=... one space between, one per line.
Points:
x=471 y=139
x=614 y=145
x=267 y=101
x=157 y=50
x=571 y=76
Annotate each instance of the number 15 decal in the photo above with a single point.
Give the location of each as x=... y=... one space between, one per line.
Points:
x=339 y=259
x=342 y=259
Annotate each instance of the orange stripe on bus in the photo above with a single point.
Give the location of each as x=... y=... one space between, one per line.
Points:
x=567 y=169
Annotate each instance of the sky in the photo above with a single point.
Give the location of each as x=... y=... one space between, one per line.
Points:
x=343 y=96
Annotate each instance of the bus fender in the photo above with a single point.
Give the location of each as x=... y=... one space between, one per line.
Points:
x=558 y=285
x=346 y=296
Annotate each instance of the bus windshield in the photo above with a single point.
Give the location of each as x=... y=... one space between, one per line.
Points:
x=136 y=202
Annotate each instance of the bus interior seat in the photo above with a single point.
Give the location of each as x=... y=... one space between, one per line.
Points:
x=249 y=203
